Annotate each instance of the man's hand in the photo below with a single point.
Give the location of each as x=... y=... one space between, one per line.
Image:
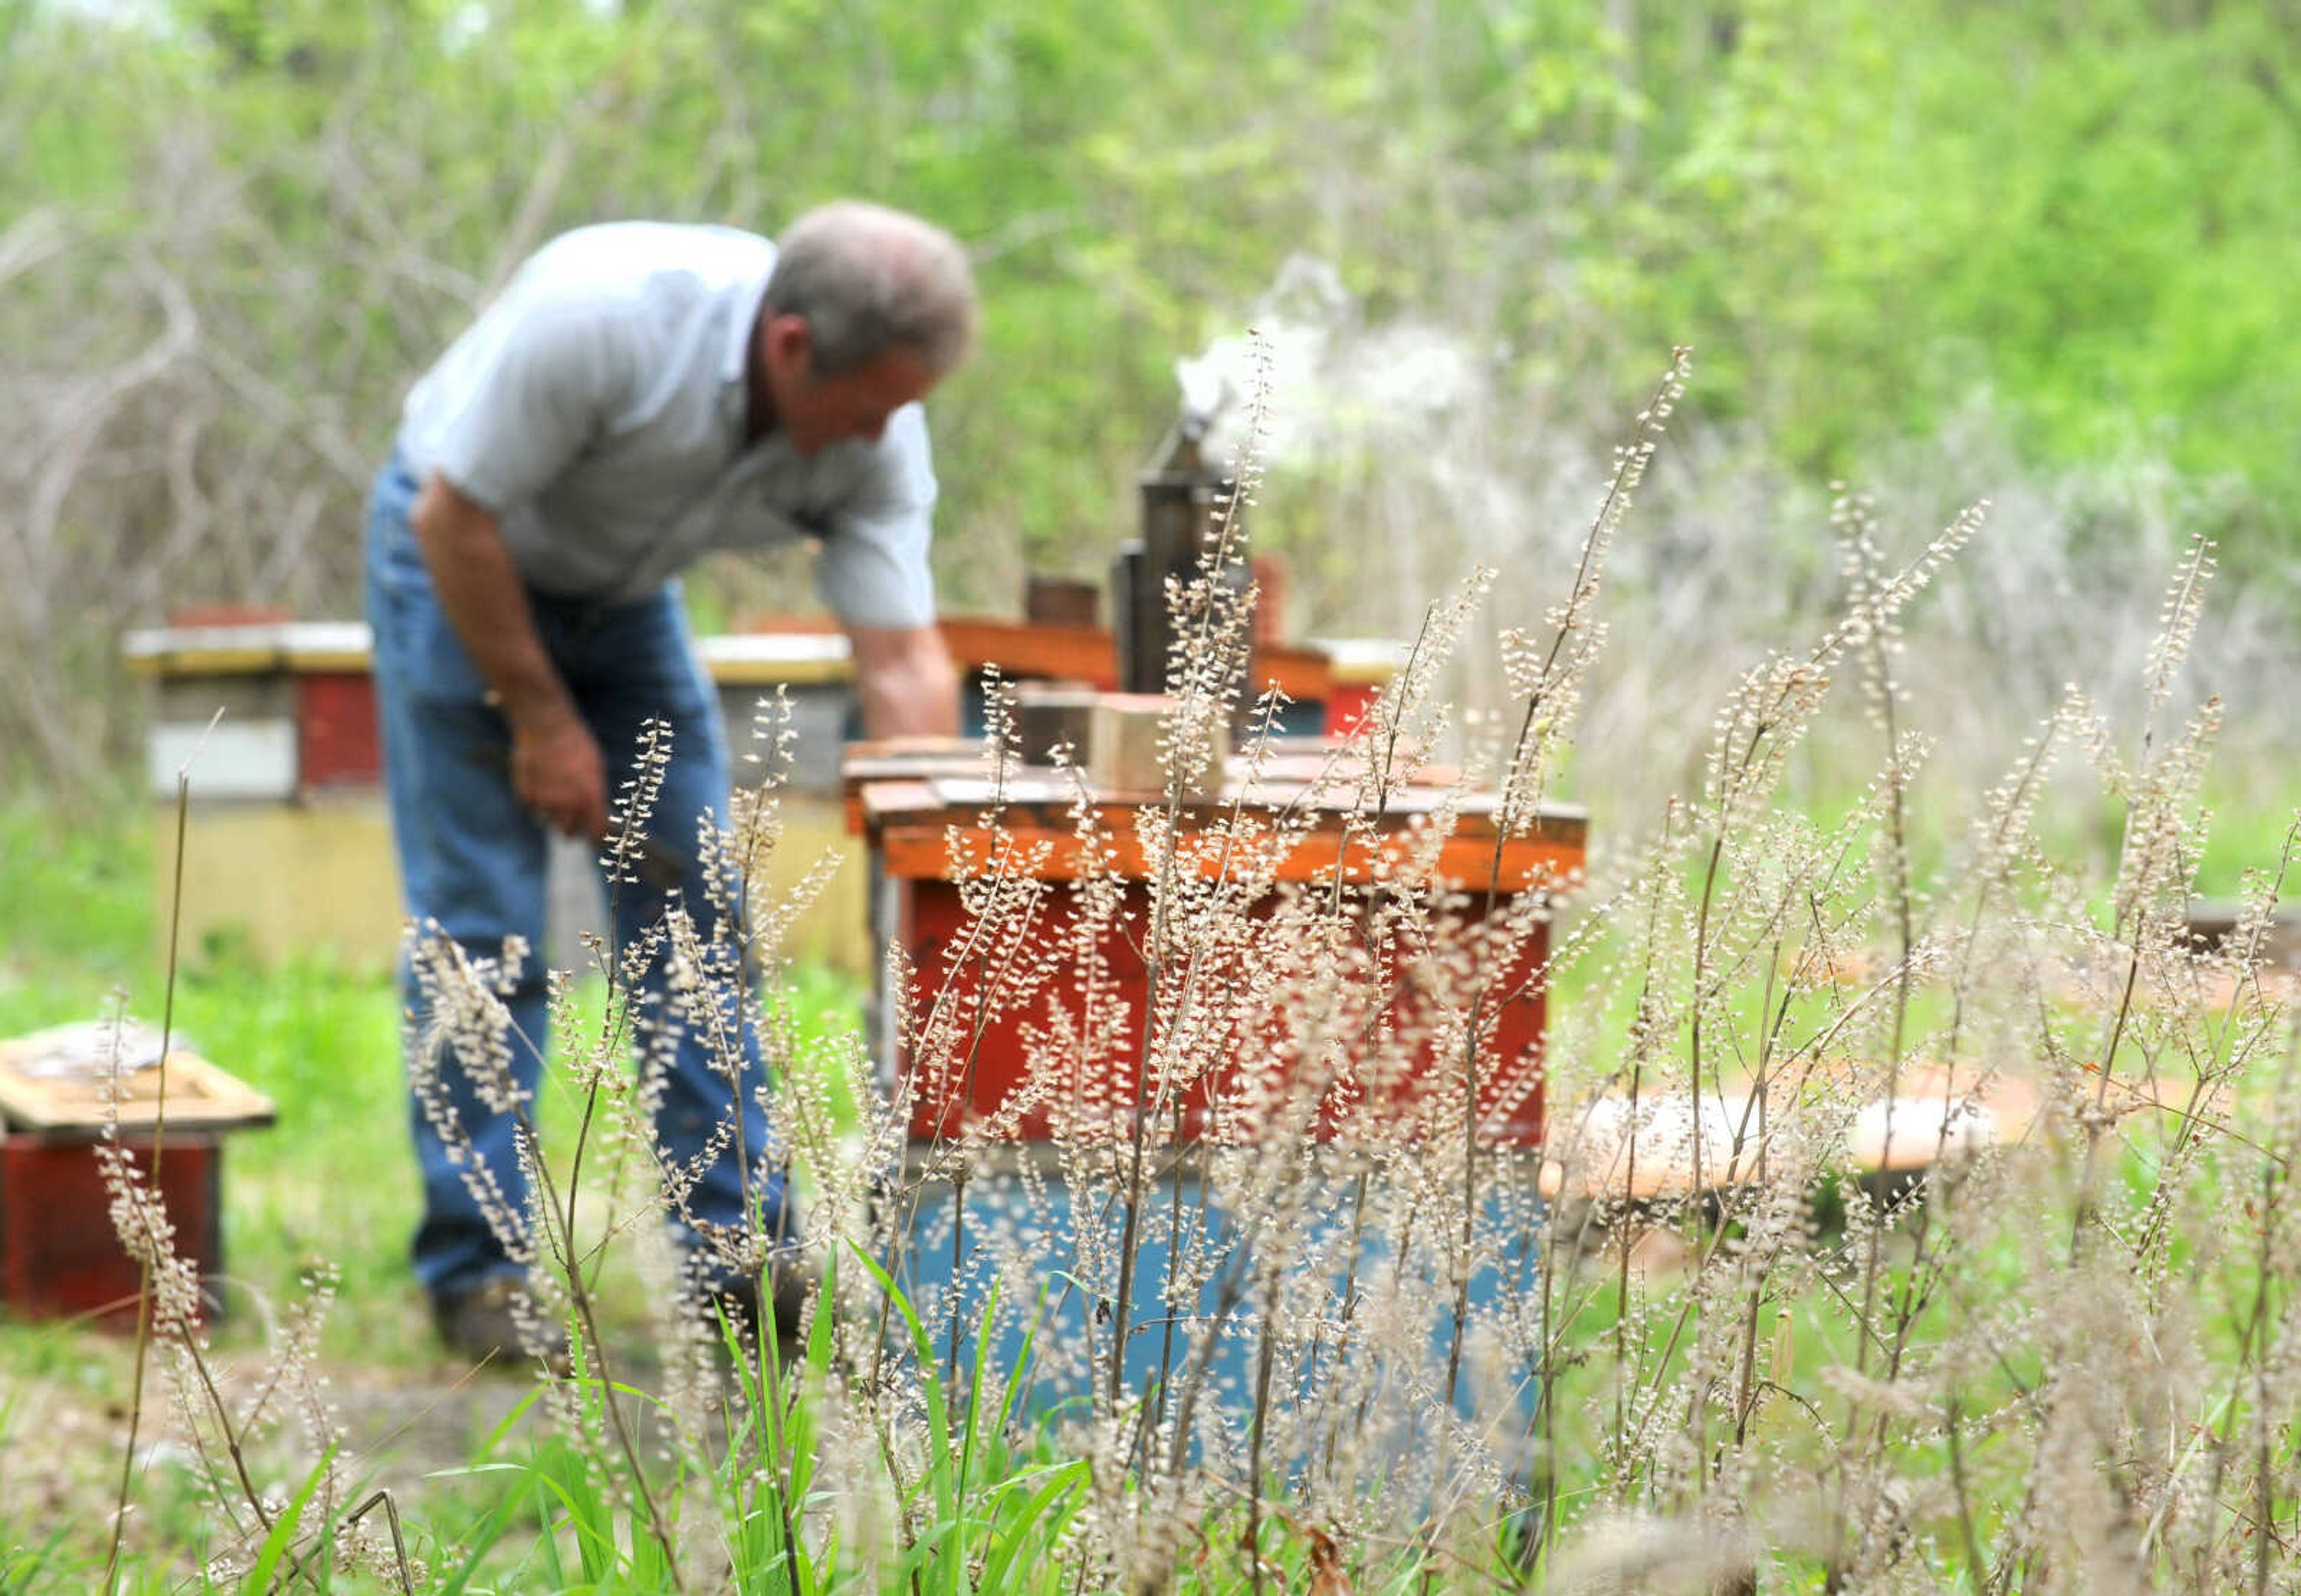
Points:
x=556 y=767
x=904 y=681
x=558 y=771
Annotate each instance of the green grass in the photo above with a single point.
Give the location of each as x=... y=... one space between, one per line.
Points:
x=334 y=1180
x=318 y=1040
x=333 y=1183
x=75 y=900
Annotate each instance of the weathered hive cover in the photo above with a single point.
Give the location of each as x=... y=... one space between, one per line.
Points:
x=76 y=1078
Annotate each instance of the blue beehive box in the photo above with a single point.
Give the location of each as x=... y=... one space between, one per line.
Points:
x=1319 y=1255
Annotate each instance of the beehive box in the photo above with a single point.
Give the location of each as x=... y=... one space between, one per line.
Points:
x=60 y=1090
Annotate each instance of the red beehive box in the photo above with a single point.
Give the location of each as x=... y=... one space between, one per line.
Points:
x=335 y=729
x=994 y=1067
x=60 y=1256
x=60 y=1253
x=916 y=819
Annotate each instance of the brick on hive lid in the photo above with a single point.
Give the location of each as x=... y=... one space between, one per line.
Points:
x=1052 y=715
x=1125 y=759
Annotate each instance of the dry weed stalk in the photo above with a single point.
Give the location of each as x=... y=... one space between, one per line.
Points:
x=203 y=1412
x=1299 y=1325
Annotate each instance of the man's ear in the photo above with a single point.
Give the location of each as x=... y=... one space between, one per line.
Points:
x=790 y=345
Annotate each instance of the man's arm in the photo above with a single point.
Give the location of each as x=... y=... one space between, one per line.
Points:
x=904 y=681
x=556 y=767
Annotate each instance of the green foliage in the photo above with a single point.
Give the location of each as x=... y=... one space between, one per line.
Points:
x=85 y=883
x=277 y=1544
x=1916 y=200
x=1861 y=214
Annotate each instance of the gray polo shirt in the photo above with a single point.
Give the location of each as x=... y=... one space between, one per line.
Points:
x=597 y=408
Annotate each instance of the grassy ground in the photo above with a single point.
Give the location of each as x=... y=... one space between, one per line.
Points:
x=332 y=1185
x=78 y=934
x=322 y=1042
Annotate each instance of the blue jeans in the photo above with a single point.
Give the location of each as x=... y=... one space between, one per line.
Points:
x=472 y=861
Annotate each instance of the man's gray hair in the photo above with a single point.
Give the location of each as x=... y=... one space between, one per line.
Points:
x=866 y=279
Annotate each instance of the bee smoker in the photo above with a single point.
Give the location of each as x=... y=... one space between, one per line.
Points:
x=1183 y=499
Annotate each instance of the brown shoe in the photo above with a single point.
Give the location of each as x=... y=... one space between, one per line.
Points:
x=482 y=1326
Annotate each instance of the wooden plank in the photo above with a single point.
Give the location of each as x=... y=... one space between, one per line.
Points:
x=2213 y=922
x=1614 y=1148
x=59 y=1256
x=868 y=750
x=815 y=728
x=1072 y=653
x=335 y=739
x=915 y=850
x=909 y=759
x=1937 y=1113
x=55 y=1083
x=732 y=659
x=1339 y=766
x=1611 y=1150
x=1305 y=671
x=247 y=650
x=215 y=660
x=1044 y=797
x=999 y=1081
x=882 y=800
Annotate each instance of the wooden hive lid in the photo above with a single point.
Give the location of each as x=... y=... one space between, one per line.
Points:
x=60 y=1081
